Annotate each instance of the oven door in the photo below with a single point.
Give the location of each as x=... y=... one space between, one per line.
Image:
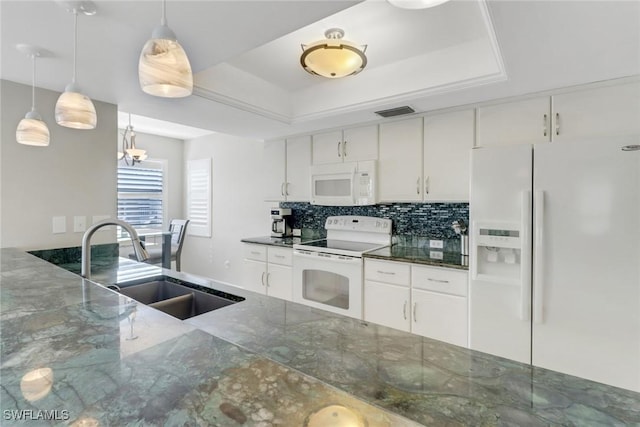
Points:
x=328 y=281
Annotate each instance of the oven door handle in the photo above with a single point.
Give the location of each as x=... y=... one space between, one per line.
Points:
x=321 y=256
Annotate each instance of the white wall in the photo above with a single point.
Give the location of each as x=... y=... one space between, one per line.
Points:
x=169 y=150
x=74 y=175
x=238 y=209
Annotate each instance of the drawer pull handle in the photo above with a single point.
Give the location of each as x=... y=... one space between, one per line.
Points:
x=404 y=310
x=392 y=273
x=255 y=253
x=436 y=280
x=279 y=256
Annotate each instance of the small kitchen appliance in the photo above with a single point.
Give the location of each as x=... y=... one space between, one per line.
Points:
x=280 y=222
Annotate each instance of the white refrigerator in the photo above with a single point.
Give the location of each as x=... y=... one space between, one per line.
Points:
x=555 y=257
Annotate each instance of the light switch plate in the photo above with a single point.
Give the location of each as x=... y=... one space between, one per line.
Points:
x=59 y=224
x=79 y=224
x=439 y=244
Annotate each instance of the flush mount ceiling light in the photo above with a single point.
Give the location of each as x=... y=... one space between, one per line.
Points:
x=74 y=109
x=32 y=130
x=333 y=57
x=416 y=4
x=164 y=69
x=129 y=151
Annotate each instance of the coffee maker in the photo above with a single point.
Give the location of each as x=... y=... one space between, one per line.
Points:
x=280 y=222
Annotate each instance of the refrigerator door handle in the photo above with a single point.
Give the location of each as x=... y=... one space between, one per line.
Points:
x=525 y=258
x=538 y=257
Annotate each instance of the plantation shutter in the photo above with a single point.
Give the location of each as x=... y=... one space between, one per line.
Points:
x=199 y=197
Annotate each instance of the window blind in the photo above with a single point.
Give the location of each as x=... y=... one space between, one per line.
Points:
x=199 y=197
x=140 y=196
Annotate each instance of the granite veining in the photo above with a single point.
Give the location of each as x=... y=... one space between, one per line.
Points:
x=260 y=362
x=420 y=255
x=285 y=242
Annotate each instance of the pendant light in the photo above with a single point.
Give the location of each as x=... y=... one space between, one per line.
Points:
x=164 y=69
x=333 y=57
x=32 y=130
x=129 y=150
x=75 y=109
x=416 y=4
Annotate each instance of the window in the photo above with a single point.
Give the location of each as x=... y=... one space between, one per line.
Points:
x=140 y=196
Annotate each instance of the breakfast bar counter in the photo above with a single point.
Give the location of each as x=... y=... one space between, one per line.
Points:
x=76 y=353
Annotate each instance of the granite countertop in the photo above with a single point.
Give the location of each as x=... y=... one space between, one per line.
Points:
x=420 y=255
x=262 y=361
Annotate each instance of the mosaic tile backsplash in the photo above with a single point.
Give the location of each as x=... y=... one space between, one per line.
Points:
x=410 y=219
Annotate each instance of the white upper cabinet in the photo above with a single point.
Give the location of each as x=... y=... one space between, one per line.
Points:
x=360 y=144
x=298 y=184
x=602 y=111
x=327 y=147
x=448 y=140
x=520 y=122
x=349 y=145
x=274 y=167
x=400 y=163
x=286 y=170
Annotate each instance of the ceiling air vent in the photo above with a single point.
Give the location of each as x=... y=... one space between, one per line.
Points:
x=399 y=111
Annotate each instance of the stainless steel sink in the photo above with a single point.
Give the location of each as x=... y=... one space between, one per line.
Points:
x=178 y=298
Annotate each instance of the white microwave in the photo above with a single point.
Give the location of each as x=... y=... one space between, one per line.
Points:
x=344 y=184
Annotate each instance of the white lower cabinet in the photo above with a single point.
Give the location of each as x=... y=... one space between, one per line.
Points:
x=267 y=270
x=427 y=301
x=387 y=304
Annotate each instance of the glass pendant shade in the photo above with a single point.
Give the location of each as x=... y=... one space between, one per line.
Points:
x=32 y=130
x=164 y=69
x=333 y=57
x=416 y=4
x=75 y=110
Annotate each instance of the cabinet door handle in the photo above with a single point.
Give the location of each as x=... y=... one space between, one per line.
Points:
x=392 y=273
x=415 y=304
x=557 y=123
x=262 y=278
x=437 y=280
x=404 y=310
x=286 y=188
x=426 y=185
x=339 y=152
x=282 y=189
x=544 y=125
x=267 y=281
x=418 y=186
x=344 y=149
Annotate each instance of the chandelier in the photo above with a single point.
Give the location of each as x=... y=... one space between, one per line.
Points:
x=130 y=154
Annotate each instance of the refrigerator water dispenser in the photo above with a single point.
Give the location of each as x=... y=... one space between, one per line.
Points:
x=497 y=250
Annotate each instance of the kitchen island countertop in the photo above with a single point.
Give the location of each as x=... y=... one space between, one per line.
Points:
x=262 y=361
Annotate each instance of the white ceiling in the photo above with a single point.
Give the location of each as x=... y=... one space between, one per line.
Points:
x=539 y=45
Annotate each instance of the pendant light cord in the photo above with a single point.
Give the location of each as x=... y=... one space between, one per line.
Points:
x=75 y=42
x=163 y=21
x=33 y=83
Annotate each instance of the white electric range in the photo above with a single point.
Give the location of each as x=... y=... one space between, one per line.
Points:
x=327 y=273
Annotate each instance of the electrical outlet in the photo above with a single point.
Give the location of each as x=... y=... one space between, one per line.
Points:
x=436 y=254
x=79 y=224
x=59 y=224
x=439 y=244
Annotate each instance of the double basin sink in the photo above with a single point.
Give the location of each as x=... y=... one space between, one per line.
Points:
x=176 y=297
